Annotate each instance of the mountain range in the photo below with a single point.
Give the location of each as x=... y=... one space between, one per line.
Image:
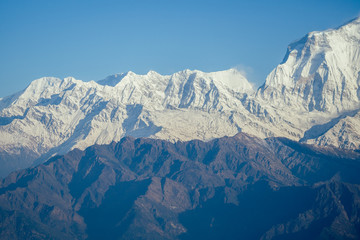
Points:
x=312 y=96
x=317 y=82
x=231 y=187
x=191 y=155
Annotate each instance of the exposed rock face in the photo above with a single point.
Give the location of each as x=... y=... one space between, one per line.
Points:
x=153 y=189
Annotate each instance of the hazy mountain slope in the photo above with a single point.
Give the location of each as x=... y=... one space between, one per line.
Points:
x=234 y=187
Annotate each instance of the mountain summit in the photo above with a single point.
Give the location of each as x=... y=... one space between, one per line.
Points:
x=320 y=72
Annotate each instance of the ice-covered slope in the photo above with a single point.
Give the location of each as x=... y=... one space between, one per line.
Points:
x=319 y=72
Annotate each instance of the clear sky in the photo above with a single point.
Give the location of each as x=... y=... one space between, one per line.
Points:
x=90 y=39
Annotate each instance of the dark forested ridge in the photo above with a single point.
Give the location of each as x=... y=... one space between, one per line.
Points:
x=239 y=187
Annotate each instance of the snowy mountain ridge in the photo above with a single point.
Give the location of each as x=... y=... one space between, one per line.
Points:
x=312 y=96
x=53 y=115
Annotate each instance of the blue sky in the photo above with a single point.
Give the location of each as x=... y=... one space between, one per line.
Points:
x=90 y=39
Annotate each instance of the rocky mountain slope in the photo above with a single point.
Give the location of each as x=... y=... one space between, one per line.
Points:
x=245 y=186
x=313 y=96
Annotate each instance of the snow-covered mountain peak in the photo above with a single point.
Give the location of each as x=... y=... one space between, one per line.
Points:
x=40 y=84
x=153 y=73
x=49 y=84
x=45 y=87
x=230 y=79
x=233 y=79
x=112 y=80
x=319 y=72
